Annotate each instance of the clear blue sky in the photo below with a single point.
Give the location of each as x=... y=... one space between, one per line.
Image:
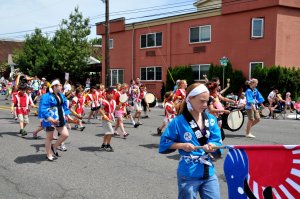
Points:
x=21 y=15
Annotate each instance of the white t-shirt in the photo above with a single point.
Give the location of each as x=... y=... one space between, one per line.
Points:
x=67 y=87
x=272 y=95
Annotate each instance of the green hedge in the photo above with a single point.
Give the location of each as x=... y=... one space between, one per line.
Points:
x=277 y=77
x=179 y=72
x=237 y=80
x=282 y=78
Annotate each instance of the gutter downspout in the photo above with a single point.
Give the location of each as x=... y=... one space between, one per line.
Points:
x=132 y=58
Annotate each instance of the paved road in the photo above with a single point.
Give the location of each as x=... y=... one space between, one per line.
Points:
x=134 y=170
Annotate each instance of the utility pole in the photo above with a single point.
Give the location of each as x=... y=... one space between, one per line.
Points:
x=107 y=67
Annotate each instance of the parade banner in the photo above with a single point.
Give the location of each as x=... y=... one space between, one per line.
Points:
x=263 y=172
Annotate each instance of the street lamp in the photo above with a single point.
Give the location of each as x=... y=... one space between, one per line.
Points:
x=223 y=61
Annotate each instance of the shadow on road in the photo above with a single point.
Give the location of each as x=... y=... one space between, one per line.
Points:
x=38 y=146
x=155 y=135
x=100 y=135
x=234 y=136
x=10 y=133
x=90 y=149
x=38 y=158
x=150 y=146
x=174 y=157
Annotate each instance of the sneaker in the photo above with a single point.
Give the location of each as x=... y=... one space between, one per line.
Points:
x=158 y=131
x=139 y=123
x=102 y=148
x=116 y=134
x=136 y=125
x=62 y=147
x=250 y=135
x=81 y=128
x=23 y=133
x=125 y=135
x=16 y=118
x=108 y=148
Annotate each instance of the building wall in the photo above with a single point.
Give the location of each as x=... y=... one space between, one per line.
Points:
x=230 y=37
x=288 y=37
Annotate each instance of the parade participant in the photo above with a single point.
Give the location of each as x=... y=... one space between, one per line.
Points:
x=180 y=94
x=101 y=91
x=170 y=111
x=9 y=87
x=93 y=99
x=144 y=103
x=77 y=107
x=215 y=106
x=22 y=102
x=53 y=109
x=13 y=94
x=107 y=109
x=254 y=99
x=120 y=110
x=194 y=133
x=217 y=80
x=137 y=96
x=138 y=82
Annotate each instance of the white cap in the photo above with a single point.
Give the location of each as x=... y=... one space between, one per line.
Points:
x=55 y=82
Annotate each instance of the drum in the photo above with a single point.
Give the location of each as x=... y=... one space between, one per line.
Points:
x=233 y=121
x=150 y=99
x=265 y=112
x=123 y=98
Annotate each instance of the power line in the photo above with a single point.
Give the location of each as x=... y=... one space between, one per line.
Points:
x=148 y=16
x=146 y=9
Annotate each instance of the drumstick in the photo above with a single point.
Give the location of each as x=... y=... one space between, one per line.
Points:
x=213 y=147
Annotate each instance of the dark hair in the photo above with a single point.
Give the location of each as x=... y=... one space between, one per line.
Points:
x=211 y=86
x=215 y=79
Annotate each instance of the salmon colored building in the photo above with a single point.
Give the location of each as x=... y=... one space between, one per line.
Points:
x=250 y=33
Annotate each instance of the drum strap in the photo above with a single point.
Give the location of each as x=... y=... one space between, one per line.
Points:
x=201 y=135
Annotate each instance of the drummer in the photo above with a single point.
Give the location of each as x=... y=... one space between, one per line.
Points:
x=120 y=109
x=215 y=106
x=144 y=102
x=180 y=94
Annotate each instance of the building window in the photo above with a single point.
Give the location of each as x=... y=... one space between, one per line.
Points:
x=199 y=70
x=151 y=73
x=111 y=43
x=116 y=76
x=200 y=34
x=257 y=28
x=151 y=40
x=253 y=66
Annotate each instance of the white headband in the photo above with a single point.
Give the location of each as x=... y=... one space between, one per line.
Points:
x=196 y=91
x=55 y=82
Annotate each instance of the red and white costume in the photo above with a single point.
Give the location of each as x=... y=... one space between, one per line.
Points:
x=93 y=99
x=109 y=108
x=170 y=112
x=78 y=102
x=120 y=112
x=179 y=95
x=22 y=103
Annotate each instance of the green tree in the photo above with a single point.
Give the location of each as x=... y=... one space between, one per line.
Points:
x=72 y=48
x=36 y=56
x=179 y=72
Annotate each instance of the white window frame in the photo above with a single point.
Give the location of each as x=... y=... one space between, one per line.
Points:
x=255 y=62
x=154 y=73
x=155 y=46
x=262 y=28
x=111 y=76
x=199 y=66
x=111 y=43
x=200 y=34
